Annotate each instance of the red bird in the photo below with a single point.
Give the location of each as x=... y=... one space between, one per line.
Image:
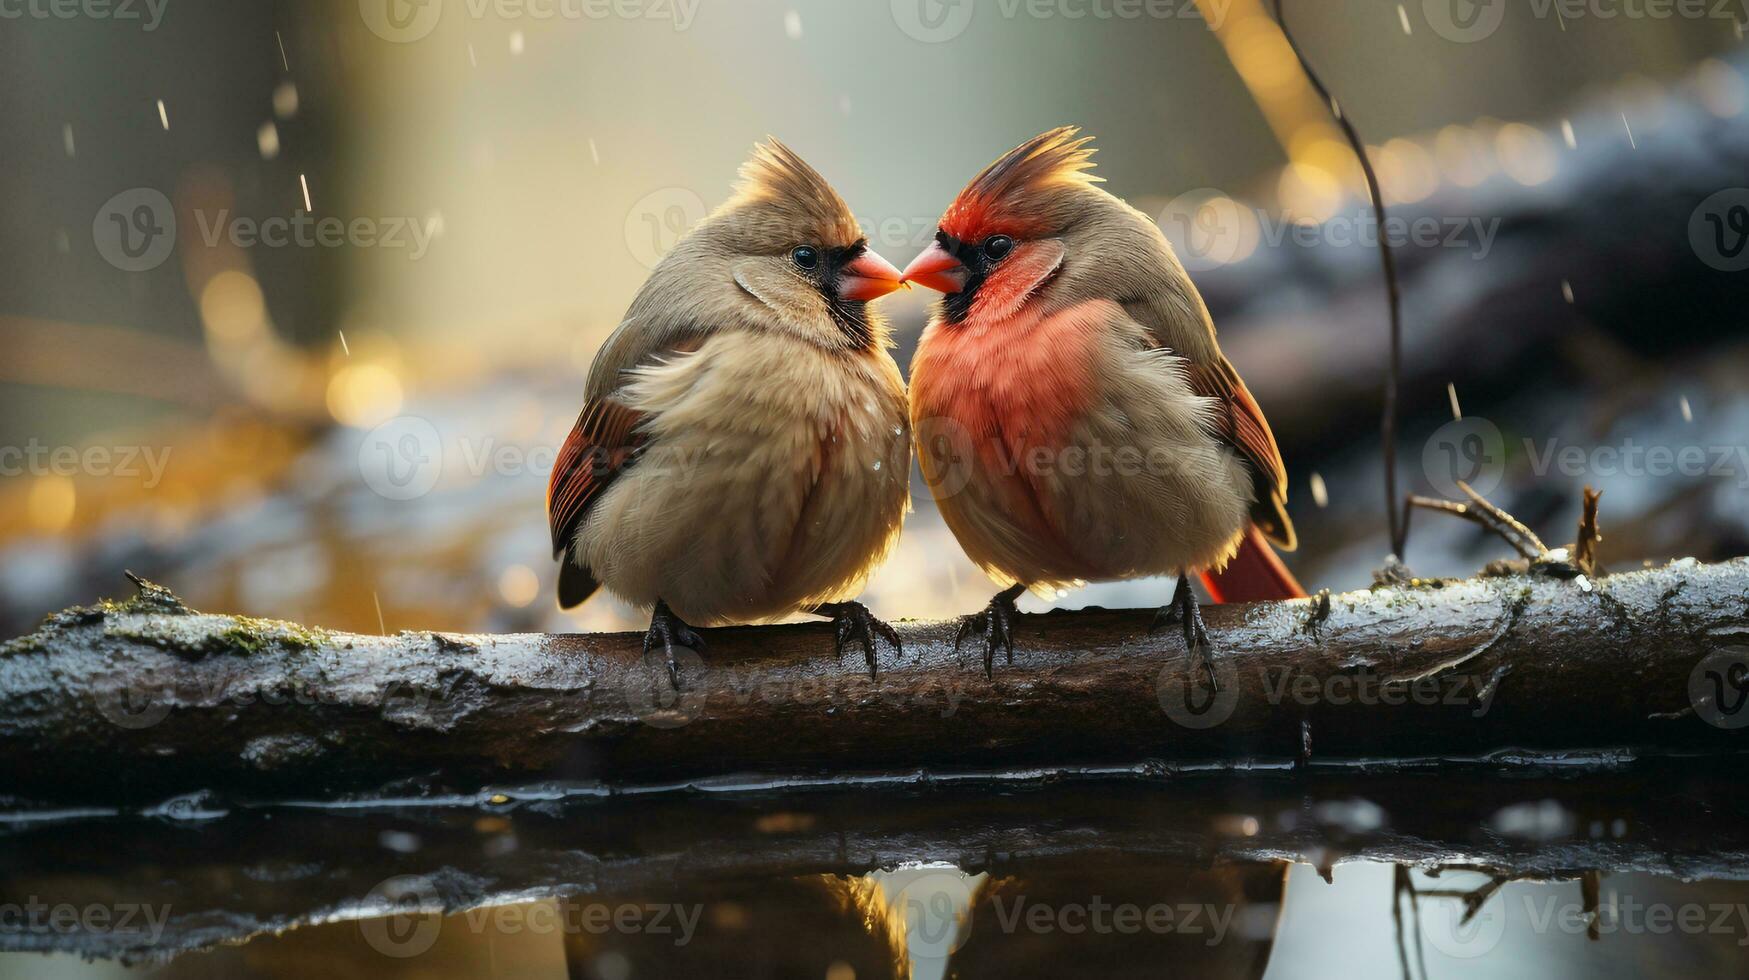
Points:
x=1075 y=417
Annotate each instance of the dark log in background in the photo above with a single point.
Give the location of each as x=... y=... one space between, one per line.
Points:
x=133 y=702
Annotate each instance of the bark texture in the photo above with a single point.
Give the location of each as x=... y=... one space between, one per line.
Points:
x=134 y=701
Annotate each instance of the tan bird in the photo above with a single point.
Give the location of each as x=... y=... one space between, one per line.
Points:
x=744 y=450
x=1077 y=420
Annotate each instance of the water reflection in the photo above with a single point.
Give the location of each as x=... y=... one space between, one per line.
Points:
x=1634 y=868
x=926 y=921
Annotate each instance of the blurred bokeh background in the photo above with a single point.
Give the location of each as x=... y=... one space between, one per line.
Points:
x=347 y=418
x=299 y=295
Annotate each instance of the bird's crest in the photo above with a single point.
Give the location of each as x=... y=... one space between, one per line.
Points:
x=792 y=194
x=1002 y=197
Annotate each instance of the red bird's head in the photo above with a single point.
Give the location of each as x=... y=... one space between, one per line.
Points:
x=1000 y=240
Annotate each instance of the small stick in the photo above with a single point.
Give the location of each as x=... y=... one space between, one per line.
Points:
x=1526 y=535
x=1394 y=302
x=1480 y=511
x=1585 y=546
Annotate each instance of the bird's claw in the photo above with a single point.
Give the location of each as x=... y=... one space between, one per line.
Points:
x=667 y=629
x=996 y=622
x=852 y=621
x=1183 y=611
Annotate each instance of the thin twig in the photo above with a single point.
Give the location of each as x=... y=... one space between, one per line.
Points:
x=1480 y=511
x=1517 y=527
x=1590 y=883
x=1585 y=545
x=1398 y=522
x=1400 y=885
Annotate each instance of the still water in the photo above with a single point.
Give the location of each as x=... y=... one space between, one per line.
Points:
x=1581 y=867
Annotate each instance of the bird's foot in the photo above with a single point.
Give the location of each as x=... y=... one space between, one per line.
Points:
x=995 y=623
x=668 y=630
x=852 y=621
x=1183 y=612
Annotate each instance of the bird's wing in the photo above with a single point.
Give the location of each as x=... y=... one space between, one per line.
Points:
x=1238 y=420
x=608 y=435
x=601 y=445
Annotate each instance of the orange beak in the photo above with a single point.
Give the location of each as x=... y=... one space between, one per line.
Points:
x=867 y=277
x=936 y=269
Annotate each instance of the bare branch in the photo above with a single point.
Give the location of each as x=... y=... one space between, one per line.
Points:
x=147 y=698
x=1585 y=545
x=1480 y=511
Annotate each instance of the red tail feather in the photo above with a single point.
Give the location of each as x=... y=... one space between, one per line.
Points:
x=1254 y=574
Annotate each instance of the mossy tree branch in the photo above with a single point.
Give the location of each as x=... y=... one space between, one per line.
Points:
x=136 y=700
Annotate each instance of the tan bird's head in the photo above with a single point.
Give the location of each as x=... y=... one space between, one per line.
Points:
x=794 y=248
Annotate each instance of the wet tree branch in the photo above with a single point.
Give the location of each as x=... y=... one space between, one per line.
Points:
x=141 y=699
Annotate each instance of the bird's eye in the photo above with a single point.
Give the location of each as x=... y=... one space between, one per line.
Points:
x=998 y=246
x=805 y=256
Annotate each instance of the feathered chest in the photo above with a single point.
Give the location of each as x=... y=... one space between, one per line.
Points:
x=1023 y=381
x=775 y=393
